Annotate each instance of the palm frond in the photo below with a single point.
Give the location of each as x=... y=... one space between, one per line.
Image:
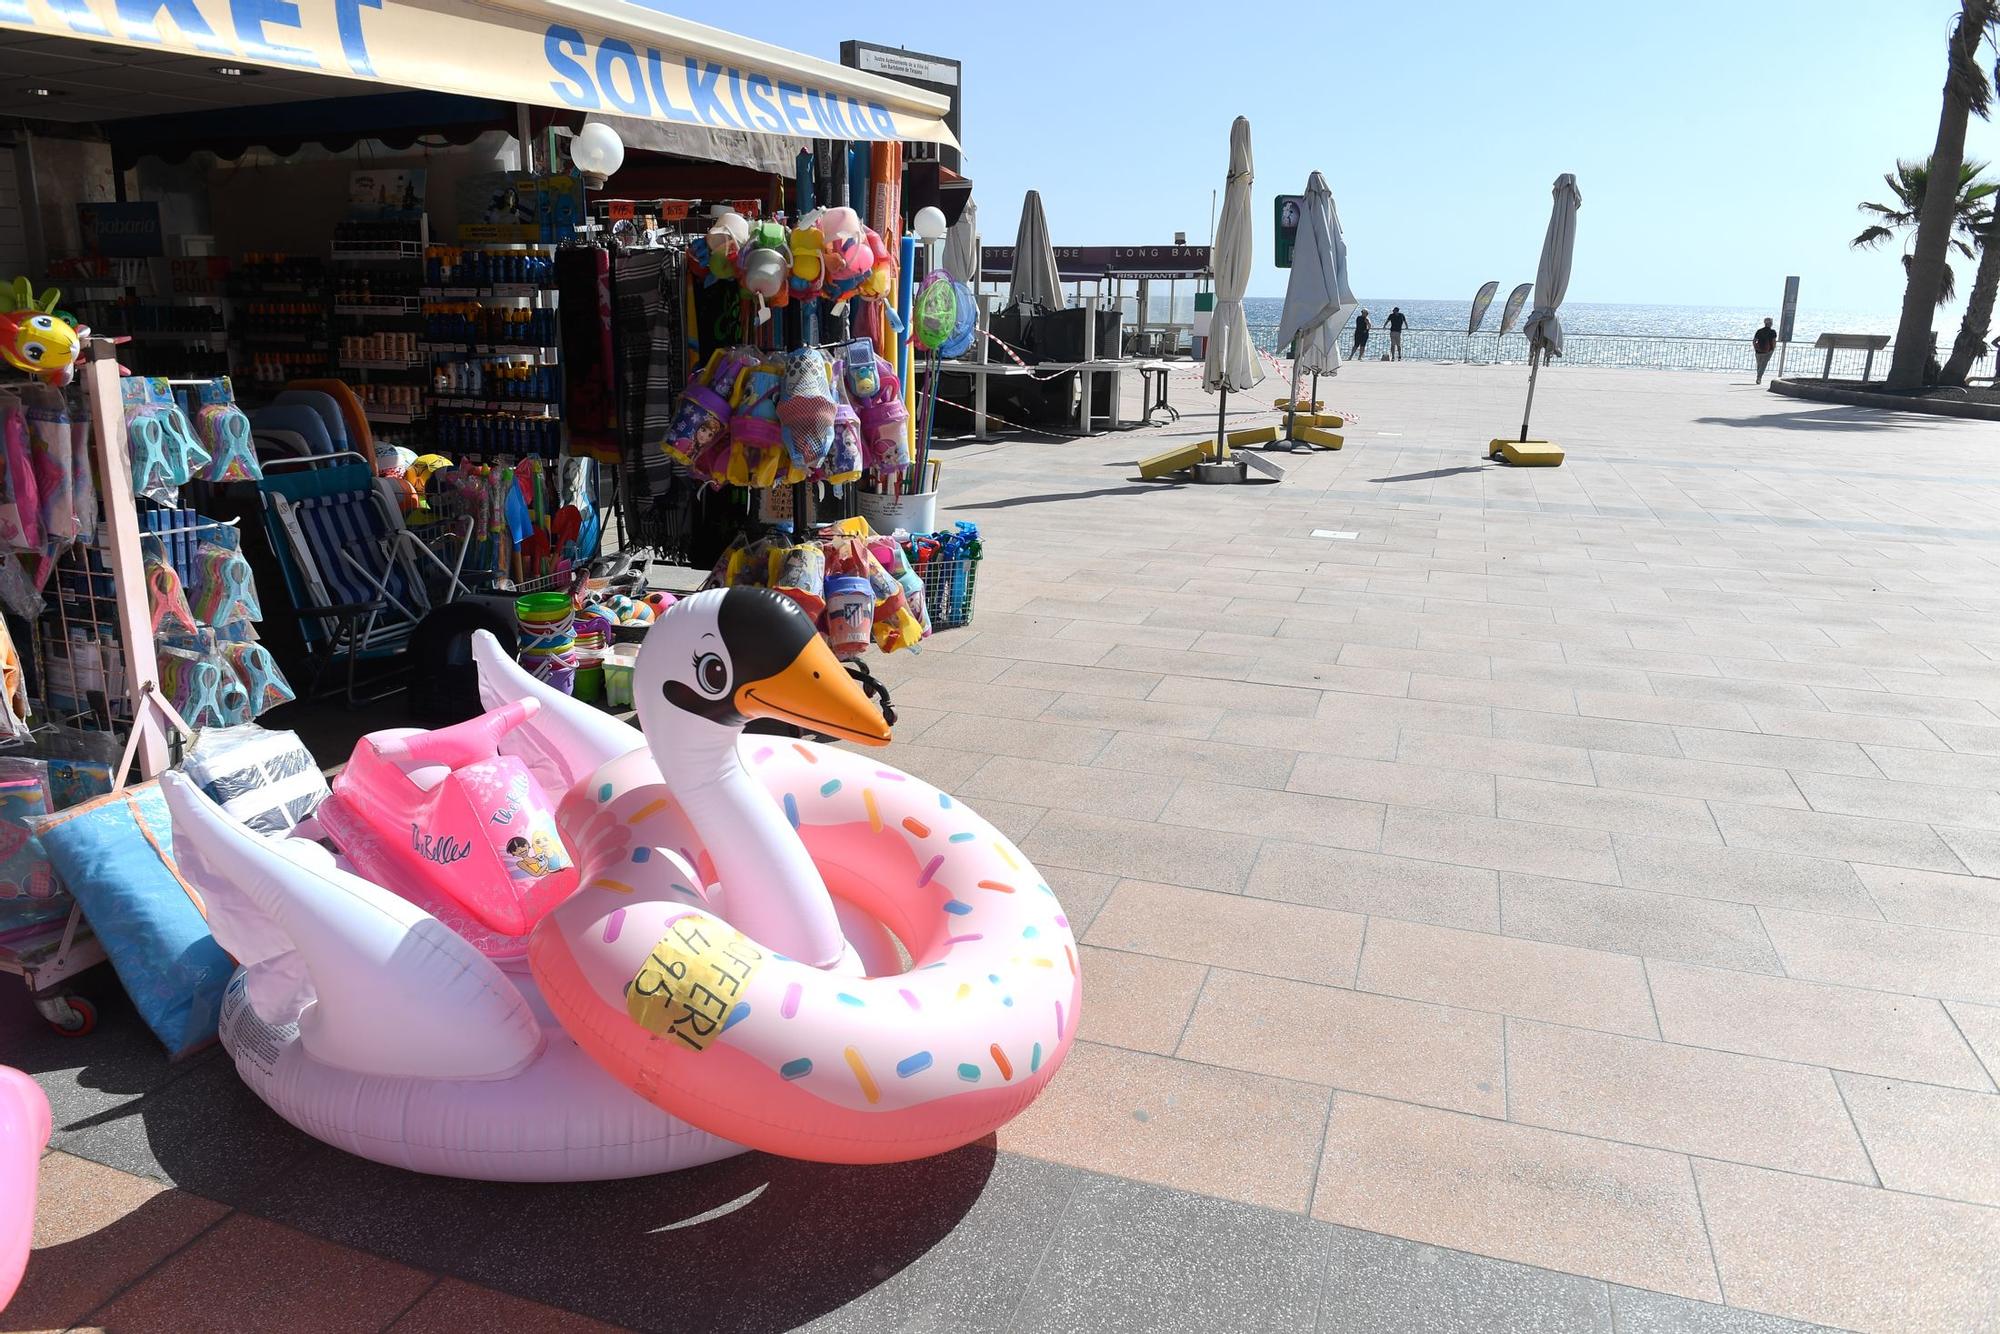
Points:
x=1871 y=238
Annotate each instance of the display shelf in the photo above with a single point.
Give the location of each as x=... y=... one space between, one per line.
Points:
x=400 y=307
x=496 y=291
x=391 y=417
x=164 y=335
x=519 y=407
x=393 y=364
x=545 y=356
x=378 y=250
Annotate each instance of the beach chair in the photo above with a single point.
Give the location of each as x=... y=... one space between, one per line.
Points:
x=359 y=580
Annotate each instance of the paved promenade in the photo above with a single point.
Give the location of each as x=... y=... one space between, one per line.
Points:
x=1547 y=900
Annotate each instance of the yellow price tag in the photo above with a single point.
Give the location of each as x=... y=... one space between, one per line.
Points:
x=693 y=978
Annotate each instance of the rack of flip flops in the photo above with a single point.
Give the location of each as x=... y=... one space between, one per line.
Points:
x=531 y=521
x=201 y=597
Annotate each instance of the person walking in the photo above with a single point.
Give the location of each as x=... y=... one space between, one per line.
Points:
x=1397 y=319
x=1361 y=326
x=1764 y=342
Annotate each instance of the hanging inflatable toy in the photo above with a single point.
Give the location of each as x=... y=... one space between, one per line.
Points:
x=944 y=315
x=35 y=339
x=766 y=265
x=764 y=1000
x=728 y=233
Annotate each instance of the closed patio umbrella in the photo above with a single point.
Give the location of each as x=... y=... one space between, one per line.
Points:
x=1232 y=361
x=1544 y=331
x=961 y=246
x=1318 y=300
x=1036 y=278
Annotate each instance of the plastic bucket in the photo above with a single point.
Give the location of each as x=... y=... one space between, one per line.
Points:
x=911 y=513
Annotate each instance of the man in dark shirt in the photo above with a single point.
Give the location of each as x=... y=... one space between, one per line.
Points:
x=1397 y=319
x=1764 y=342
x=1360 y=350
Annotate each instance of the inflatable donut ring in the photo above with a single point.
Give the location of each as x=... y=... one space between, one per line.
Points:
x=781 y=1056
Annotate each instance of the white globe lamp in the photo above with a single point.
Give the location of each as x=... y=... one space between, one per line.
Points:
x=598 y=152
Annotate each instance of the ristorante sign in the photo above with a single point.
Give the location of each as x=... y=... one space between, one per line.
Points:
x=1086 y=262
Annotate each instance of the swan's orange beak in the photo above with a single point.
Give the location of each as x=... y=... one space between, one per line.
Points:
x=815 y=692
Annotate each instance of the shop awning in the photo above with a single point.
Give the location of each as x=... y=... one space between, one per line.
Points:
x=581 y=55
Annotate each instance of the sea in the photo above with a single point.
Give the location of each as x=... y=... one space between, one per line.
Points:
x=1664 y=337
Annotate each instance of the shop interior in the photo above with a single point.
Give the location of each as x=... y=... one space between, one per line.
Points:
x=359 y=372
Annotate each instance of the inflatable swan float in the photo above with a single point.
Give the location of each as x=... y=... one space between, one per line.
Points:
x=724 y=973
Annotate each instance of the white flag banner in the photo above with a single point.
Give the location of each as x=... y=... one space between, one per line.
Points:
x=1479 y=305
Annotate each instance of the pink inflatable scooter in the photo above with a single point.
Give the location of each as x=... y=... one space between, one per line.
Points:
x=448 y=822
x=24 y=1133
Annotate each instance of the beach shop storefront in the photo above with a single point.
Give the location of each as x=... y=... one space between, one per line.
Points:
x=608 y=57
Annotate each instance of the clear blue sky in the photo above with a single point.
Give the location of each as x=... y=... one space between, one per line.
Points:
x=1718 y=145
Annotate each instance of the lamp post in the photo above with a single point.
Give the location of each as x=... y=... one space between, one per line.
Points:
x=598 y=152
x=929 y=226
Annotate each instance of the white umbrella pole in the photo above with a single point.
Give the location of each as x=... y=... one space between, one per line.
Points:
x=1534 y=364
x=1292 y=412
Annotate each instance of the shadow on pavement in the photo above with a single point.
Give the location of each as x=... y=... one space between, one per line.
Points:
x=753 y=1243
x=1826 y=419
x=1436 y=473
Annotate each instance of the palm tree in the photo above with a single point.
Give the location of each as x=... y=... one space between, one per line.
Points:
x=1910 y=184
x=1965 y=92
x=1978 y=321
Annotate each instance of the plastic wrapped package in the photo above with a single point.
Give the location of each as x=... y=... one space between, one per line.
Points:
x=266 y=779
x=29 y=891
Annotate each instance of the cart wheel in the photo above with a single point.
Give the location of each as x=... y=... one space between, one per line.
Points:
x=80 y=1021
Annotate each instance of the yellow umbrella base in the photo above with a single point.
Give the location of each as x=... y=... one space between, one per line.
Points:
x=1526 y=453
x=1332 y=421
x=1174 y=460
x=1256 y=435
x=1301 y=405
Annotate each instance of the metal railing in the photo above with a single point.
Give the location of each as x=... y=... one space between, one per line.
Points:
x=1802 y=360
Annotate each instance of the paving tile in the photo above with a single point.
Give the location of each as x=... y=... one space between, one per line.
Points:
x=1202 y=858
x=1853 y=838
x=1300 y=671
x=1278 y=701
x=1931 y=898
x=1636 y=1311
x=942 y=768
x=1747 y=694
x=1504 y=845
x=1978 y=850
x=1843 y=1028
x=1910 y=765
x=1583 y=1206
x=1264 y=813
x=1073 y=787
x=1555 y=729
x=1712 y=1104
x=1699 y=779
x=1881 y=798
x=1522 y=759
x=453 y=1306
x=1179 y=662
x=1133 y=1256
x=1979 y=1025
x=1025 y=738
x=1925 y=707
x=1741 y=875
x=1134 y=715
x=1504 y=975
x=1666 y=707
x=1778 y=752
x=1384 y=1285
x=1891 y=956
x=1077 y=680
x=1417 y=660
x=1123 y=634
x=992 y=643
x=1011 y=818
x=1610 y=809
x=1377 y=885
x=1220 y=1133
x=1181 y=757
x=1230 y=930
x=88 y=1083
x=248 y=1273
x=1634 y=921
x=1428 y=715
x=1926 y=1139
x=1136 y=1000
x=1082 y=892
x=1341 y=737
x=1394 y=783
x=973 y=697
x=1826 y=725
x=1429 y=1054
x=1849 y=1255
x=1513 y=691
x=96 y=1230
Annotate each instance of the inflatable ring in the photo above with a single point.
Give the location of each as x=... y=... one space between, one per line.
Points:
x=738 y=1006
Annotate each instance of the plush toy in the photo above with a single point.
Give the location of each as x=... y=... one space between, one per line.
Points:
x=34 y=338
